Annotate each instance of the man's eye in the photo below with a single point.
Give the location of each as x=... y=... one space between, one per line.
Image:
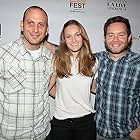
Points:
x=110 y=35
x=121 y=34
x=30 y=23
x=41 y=25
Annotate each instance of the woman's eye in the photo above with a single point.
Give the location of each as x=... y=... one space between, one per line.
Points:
x=67 y=36
x=78 y=34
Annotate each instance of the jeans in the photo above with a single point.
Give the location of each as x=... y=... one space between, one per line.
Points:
x=103 y=138
x=83 y=128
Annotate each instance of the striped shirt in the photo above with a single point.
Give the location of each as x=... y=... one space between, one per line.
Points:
x=24 y=107
x=118 y=95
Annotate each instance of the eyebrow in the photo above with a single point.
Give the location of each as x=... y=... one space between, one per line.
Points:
x=74 y=33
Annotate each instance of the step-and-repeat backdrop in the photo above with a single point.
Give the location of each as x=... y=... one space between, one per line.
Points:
x=91 y=13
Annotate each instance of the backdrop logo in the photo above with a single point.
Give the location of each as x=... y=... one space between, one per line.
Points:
x=0 y=31
x=116 y=4
x=136 y=37
x=77 y=5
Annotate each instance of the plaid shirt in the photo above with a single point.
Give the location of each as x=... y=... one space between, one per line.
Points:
x=24 y=107
x=118 y=95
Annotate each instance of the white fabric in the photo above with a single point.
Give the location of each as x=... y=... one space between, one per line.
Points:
x=34 y=53
x=24 y=104
x=73 y=95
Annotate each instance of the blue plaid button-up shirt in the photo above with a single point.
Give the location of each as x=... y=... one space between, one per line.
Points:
x=118 y=95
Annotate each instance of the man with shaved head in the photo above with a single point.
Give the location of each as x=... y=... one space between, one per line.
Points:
x=25 y=68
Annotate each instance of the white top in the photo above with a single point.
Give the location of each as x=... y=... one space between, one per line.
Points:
x=73 y=94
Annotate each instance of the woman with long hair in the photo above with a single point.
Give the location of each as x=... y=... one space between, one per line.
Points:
x=74 y=73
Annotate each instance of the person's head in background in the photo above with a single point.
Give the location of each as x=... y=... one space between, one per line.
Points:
x=74 y=43
x=34 y=27
x=117 y=36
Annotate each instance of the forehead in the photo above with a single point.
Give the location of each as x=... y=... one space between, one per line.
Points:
x=117 y=26
x=72 y=28
x=35 y=13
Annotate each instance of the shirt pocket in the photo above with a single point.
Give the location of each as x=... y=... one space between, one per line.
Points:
x=16 y=78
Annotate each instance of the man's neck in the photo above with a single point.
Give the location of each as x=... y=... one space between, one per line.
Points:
x=116 y=57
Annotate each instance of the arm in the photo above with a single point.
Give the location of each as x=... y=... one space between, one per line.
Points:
x=135 y=134
x=50 y=46
x=93 y=87
x=52 y=85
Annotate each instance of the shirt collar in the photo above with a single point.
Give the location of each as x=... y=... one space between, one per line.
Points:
x=123 y=57
x=45 y=53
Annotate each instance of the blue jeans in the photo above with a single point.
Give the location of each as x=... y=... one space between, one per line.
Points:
x=83 y=128
x=103 y=138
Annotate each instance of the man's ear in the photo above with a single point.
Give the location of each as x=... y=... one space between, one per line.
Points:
x=21 y=26
x=47 y=31
x=130 y=38
x=104 y=39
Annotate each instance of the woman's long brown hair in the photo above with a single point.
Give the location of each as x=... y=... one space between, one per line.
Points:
x=62 y=61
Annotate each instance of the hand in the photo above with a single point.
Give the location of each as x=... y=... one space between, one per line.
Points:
x=135 y=134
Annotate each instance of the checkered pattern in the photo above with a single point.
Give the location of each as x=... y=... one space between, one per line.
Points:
x=118 y=95
x=24 y=107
